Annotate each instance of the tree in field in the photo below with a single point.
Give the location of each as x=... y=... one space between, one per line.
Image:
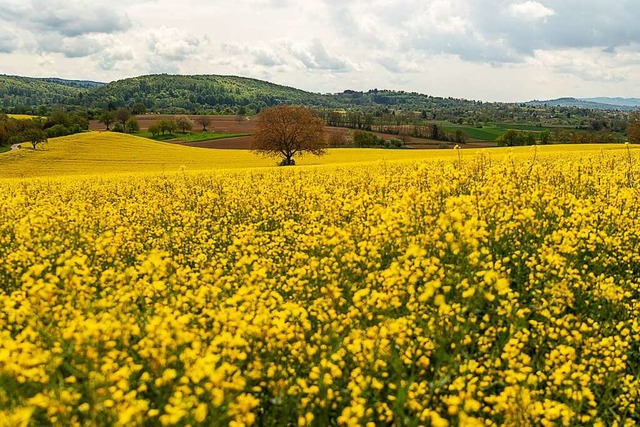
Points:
x=362 y=139
x=60 y=117
x=203 y=121
x=285 y=130
x=436 y=132
x=460 y=137
x=529 y=138
x=34 y=136
x=167 y=126
x=633 y=128
x=3 y=135
x=509 y=139
x=154 y=129
x=139 y=108
x=545 y=137
x=338 y=139
x=107 y=117
x=122 y=114
x=184 y=123
x=132 y=125
x=241 y=114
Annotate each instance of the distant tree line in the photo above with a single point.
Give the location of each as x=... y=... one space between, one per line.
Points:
x=633 y=128
x=403 y=125
x=512 y=138
x=124 y=120
x=421 y=124
x=362 y=139
x=37 y=129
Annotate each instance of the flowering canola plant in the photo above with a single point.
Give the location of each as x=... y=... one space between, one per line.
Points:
x=109 y=153
x=479 y=290
x=91 y=153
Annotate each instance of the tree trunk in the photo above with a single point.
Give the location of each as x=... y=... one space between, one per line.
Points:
x=288 y=161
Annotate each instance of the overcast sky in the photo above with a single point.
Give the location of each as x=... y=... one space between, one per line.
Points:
x=493 y=50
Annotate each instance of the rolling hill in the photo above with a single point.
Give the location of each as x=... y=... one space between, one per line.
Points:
x=625 y=104
x=162 y=92
x=178 y=93
x=105 y=153
x=100 y=153
x=165 y=92
x=27 y=91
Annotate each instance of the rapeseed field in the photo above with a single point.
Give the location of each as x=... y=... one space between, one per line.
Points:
x=23 y=116
x=94 y=153
x=100 y=153
x=476 y=288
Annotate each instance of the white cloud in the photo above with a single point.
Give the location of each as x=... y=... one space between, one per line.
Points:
x=172 y=44
x=530 y=11
x=116 y=57
x=400 y=64
x=440 y=17
x=588 y=64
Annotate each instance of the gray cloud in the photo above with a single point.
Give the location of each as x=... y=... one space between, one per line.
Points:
x=73 y=47
x=262 y=55
x=589 y=65
x=268 y=58
x=494 y=31
x=8 y=41
x=568 y=24
x=401 y=63
x=74 y=28
x=283 y=55
x=69 y=18
x=316 y=57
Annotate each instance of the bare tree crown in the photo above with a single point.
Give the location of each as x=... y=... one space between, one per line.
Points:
x=285 y=130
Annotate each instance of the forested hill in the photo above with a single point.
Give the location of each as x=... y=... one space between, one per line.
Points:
x=203 y=92
x=27 y=91
x=200 y=93
x=82 y=84
x=164 y=92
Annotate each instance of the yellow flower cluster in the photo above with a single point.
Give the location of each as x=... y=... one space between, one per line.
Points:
x=109 y=153
x=481 y=290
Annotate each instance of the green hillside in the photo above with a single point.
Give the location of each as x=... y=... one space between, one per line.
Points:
x=82 y=84
x=167 y=93
x=164 y=92
x=27 y=91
